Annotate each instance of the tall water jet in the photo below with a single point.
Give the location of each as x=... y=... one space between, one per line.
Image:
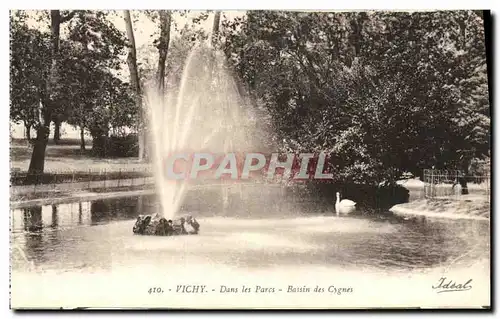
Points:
x=204 y=114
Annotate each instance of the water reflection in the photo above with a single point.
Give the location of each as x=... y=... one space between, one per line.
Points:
x=54 y=217
x=33 y=219
x=38 y=219
x=40 y=232
x=80 y=213
x=104 y=211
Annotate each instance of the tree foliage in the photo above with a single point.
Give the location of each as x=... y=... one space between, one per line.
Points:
x=29 y=66
x=87 y=91
x=382 y=93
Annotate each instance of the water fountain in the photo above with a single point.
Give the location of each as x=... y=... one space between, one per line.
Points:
x=205 y=114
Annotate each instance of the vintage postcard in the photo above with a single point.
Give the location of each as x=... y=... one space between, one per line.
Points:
x=190 y=159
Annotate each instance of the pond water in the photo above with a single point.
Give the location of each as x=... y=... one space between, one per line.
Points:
x=260 y=230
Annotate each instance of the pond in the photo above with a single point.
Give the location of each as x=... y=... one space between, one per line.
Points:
x=260 y=230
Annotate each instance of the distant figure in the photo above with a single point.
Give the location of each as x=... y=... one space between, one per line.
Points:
x=344 y=206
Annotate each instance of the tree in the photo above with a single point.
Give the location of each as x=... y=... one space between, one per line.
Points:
x=47 y=103
x=92 y=55
x=163 y=43
x=215 y=27
x=135 y=81
x=187 y=36
x=167 y=70
x=88 y=93
x=444 y=67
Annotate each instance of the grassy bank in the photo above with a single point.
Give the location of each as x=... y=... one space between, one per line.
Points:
x=68 y=157
x=468 y=207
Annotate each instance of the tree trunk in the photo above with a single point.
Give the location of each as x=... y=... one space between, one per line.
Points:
x=463 y=33
x=463 y=179
x=27 y=131
x=463 y=184
x=215 y=27
x=356 y=36
x=165 y=18
x=57 y=130
x=82 y=138
x=163 y=45
x=37 y=162
x=135 y=82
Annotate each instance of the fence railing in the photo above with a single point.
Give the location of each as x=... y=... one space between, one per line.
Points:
x=454 y=184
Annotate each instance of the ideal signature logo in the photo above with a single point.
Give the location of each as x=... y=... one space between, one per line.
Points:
x=445 y=285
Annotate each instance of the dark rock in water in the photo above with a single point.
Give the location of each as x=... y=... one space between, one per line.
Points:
x=160 y=226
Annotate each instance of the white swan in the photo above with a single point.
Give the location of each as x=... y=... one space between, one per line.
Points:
x=345 y=205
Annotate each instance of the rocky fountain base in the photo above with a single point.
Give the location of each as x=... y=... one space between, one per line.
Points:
x=159 y=226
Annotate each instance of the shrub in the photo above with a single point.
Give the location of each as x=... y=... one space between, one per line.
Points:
x=116 y=146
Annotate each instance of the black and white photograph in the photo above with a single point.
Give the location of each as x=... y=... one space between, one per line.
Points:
x=250 y=159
